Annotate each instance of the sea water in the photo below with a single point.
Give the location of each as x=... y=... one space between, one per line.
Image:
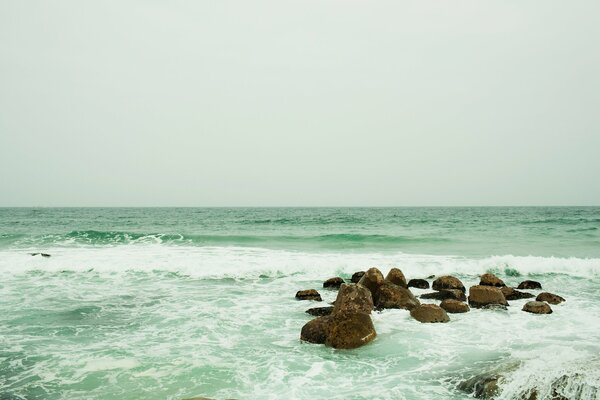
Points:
x=172 y=303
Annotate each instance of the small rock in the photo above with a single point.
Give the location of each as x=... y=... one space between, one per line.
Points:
x=491 y=280
x=512 y=294
x=356 y=276
x=537 y=307
x=396 y=277
x=549 y=298
x=333 y=282
x=349 y=330
x=353 y=298
x=309 y=294
x=372 y=280
x=320 y=311
x=454 y=306
x=394 y=296
x=429 y=313
x=529 y=285
x=448 y=282
x=445 y=294
x=418 y=283
x=315 y=330
x=481 y=295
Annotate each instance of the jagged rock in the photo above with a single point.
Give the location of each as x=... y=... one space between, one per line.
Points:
x=394 y=296
x=309 y=294
x=512 y=294
x=448 y=282
x=429 y=313
x=537 y=307
x=372 y=280
x=445 y=294
x=396 y=277
x=333 y=282
x=418 y=283
x=454 y=306
x=320 y=311
x=481 y=386
x=356 y=276
x=353 y=298
x=549 y=298
x=316 y=330
x=349 y=330
x=529 y=285
x=491 y=280
x=480 y=296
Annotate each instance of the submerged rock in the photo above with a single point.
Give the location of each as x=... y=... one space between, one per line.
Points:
x=429 y=313
x=491 y=280
x=480 y=296
x=320 y=311
x=549 y=298
x=333 y=282
x=349 y=330
x=481 y=386
x=448 y=282
x=445 y=294
x=394 y=296
x=356 y=276
x=353 y=298
x=529 y=285
x=396 y=277
x=372 y=280
x=512 y=294
x=537 y=307
x=454 y=306
x=418 y=283
x=309 y=294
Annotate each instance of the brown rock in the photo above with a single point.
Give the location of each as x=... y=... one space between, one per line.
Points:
x=396 y=277
x=372 y=280
x=491 y=280
x=319 y=311
x=429 y=313
x=454 y=306
x=333 y=282
x=529 y=285
x=549 y=298
x=418 y=283
x=481 y=296
x=537 y=307
x=448 y=282
x=309 y=294
x=316 y=330
x=394 y=296
x=445 y=294
x=512 y=294
x=356 y=276
x=353 y=298
x=350 y=330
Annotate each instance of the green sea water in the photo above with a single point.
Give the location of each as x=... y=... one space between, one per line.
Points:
x=170 y=303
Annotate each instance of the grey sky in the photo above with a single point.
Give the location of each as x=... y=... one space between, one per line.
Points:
x=198 y=103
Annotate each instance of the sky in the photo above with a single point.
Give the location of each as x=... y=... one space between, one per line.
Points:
x=299 y=103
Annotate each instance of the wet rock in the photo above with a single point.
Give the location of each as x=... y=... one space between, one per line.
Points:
x=549 y=298
x=429 y=313
x=394 y=296
x=418 y=283
x=309 y=294
x=396 y=277
x=372 y=280
x=320 y=311
x=334 y=283
x=537 y=307
x=454 y=306
x=480 y=296
x=448 y=282
x=529 y=285
x=349 y=330
x=481 y=386
x=353 y=298
x=491 y=280
x=445 y=294
x=494 y=307
x=316 y=330
x=512 y=294
x=356 y=276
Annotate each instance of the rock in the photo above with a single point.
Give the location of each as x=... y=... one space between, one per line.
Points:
x=309 y=294
x=454 y=306
x=537 y=307
x=429 y=313
x=349 y=330
x=396 y=277
x=316 y=330
x=333 y=282
x=549 y=298
x=394 y=296
x=372 y=280
x=445 y=294
x=481 y=387
x=356 y=276
x=353 y=298
x=320 y=311
x=418 y=283
x=448 y=282
x=512 y=294
x=481 y=295
x=529 y=285
x=491 y=280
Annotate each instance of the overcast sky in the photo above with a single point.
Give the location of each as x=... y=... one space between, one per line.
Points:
x=267 y=103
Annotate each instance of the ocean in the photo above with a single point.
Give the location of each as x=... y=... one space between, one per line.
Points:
x=173 y=303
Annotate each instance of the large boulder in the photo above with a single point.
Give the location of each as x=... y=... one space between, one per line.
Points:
x=481 y=296
x=320 y=311
x=394 y=296
x=316 y=330
x=396 y=277
x=429 y=313
x=353 y=298
x=537 y=307
x=418 y=283
x=356 y=276
x=372 y=280
x=491 y=280
x=349 y=330
x=334 y=283
x=454 y=306
x=512 y=294
x=445 y=294
x=309 y=294
x=549 y=298
x=448 y=282
x=529 y=285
